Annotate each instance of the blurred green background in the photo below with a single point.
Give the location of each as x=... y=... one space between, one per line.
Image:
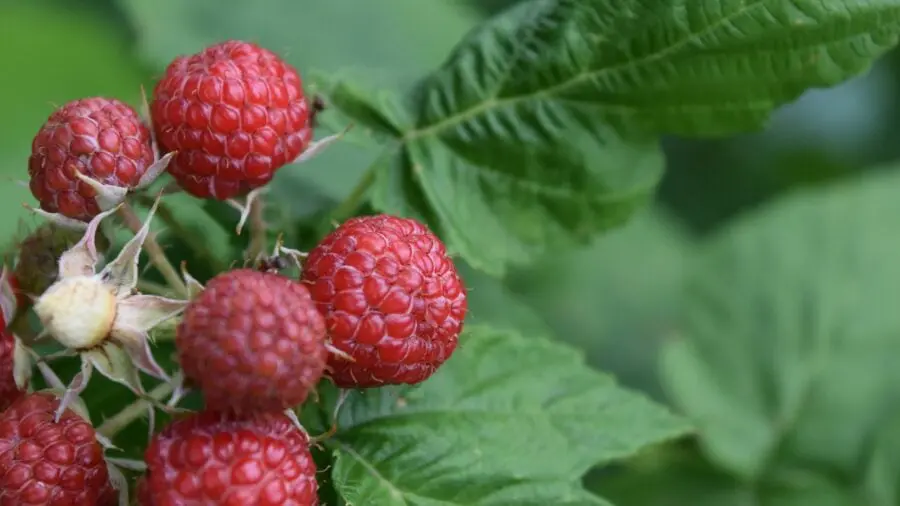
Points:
x=617 y=299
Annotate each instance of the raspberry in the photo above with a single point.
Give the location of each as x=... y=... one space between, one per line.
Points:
x=103 y=139
x=235 y=113
x=252 y=341
x=392 y=299
x=221 y=458
x=50 y=463
x=9 y=391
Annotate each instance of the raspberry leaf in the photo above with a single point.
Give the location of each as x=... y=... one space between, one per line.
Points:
x=507 y=420
x=687 y=479
x=791 y=331
x=541 y=125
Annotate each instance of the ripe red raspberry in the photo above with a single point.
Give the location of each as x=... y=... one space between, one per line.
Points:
x=235 y=113
x=9 y=391
x=252 y=341
x=222 y=458
x=50 y=463
x=392 y=299
x=102 y=138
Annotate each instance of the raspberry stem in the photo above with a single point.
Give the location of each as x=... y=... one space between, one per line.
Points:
x=258 y=237
x=154 y=251
x=116 y=423
x=348 y=207
x=193 y=240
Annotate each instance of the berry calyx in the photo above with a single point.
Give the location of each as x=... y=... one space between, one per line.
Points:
x=235 y=113
x=92 y=139
x=222 y=458
x=48 y=461
x=252 y=341
x=100 y=316
x=392 y=300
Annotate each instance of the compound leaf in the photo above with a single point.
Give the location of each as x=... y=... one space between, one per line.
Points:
x=540 y=128
x=508 y=420
x=791 y=332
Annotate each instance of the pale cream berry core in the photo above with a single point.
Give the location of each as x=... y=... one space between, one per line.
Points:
x=78 y=311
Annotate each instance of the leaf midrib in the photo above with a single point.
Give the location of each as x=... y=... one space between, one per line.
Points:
x=375 y=473
x=576 y=79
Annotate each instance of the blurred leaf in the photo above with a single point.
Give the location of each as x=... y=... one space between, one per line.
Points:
x=687 y=479
x=492 y=303
x=616 y=298
x=523 y=130
x=790 y=331
x=508 y=420
x=882 y=471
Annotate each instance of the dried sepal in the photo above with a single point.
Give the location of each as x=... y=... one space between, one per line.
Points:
x=292 y=415
x=22 y=364
x=317 y=147
x=115 y=363
x=135 y=343
x=155 y=170
x=246 y=207
x=194 y=287
x=8 y=296
x=81 y=259
x=107 y=196
x=143 y=312
x=179 y=390
x=73 y=391
x=57 y=219
x=122 y=273
x=118 y=481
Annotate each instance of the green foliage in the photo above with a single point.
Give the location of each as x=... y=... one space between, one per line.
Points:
x=539 y=127
x=804 y=292
x=530 y=142
x=510 y=420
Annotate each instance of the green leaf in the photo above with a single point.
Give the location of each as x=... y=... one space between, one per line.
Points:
x=492 y=303
x=685 y=478
x=790 y=337
x=508 y=420
x=538 y=131
x=618 y=298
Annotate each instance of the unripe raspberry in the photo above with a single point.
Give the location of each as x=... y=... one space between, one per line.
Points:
x=252 y=341
x=392 y=299
x=37 y=266
x=78 y=311
x=235 y=113
x=220 y=458
x=43 y=462
x=103 y=139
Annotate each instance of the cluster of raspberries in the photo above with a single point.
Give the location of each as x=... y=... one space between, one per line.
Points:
x=378 y=301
